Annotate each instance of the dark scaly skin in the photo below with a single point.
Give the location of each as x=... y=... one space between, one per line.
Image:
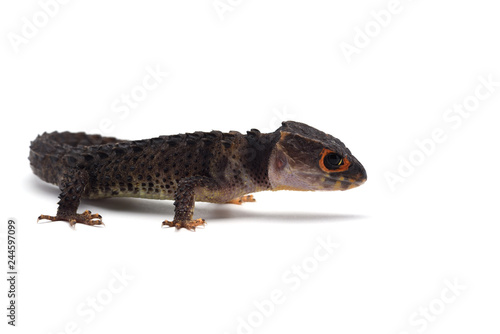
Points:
x=212 y=166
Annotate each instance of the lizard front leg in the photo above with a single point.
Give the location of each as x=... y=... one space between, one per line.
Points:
x=72 y=186
x=184 y=199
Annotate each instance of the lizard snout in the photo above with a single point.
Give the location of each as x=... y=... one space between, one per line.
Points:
x=352 y=178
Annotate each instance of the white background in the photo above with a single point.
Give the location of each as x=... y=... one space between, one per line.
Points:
x=255 y=65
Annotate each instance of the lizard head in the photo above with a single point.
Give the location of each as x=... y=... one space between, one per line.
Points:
x=305 y=158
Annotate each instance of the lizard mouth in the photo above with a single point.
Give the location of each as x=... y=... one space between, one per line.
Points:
x=355 y=177
x=342 y=183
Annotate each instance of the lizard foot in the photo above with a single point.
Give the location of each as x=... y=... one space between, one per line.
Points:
x=242 y=199
x=86 y=218
x=187 y=224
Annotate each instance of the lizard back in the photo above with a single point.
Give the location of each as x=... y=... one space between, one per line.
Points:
x=152 y=168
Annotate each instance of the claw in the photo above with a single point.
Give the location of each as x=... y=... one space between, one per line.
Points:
x=189 y=225
x=86 y=218
x=41 y=217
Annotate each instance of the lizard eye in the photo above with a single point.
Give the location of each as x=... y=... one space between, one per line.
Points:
x=332 y=162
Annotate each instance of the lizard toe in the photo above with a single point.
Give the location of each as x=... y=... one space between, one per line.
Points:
x=190 y=225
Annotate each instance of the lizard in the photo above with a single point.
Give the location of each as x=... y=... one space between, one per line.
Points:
x=211 y=167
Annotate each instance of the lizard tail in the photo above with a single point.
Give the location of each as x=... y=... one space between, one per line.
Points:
x=49 y=151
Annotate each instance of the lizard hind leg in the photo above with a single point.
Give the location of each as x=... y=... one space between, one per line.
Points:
x=86 y=218
x=72 y=185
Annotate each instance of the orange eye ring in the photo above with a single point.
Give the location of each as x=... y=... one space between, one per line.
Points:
x=344 y=164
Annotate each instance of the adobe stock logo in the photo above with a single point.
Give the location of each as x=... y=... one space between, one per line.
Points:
x=420 y=320
x=222 y=7
x=89 y=309
x=123 y=106
x=453 y=118
x=292 y=279
x=363 y=37
x=31 y=27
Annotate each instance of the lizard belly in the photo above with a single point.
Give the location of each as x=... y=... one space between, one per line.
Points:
x=150 y=190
